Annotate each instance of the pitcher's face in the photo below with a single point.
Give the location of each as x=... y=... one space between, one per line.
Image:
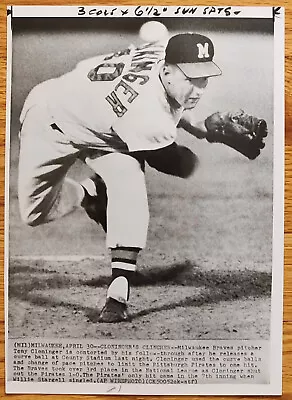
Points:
x=186 y=91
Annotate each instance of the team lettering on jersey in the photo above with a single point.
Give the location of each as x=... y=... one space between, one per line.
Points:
x=143 y=60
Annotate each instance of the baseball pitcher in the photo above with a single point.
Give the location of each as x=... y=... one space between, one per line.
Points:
x=117 y=112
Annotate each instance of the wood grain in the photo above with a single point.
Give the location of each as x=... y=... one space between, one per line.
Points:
x=287 y=353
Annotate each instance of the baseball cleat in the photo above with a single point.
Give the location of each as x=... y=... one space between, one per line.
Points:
x=113 y=311
x=95 y=206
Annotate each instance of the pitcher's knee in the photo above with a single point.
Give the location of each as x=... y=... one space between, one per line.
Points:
x=126 y=165
x=123 y=175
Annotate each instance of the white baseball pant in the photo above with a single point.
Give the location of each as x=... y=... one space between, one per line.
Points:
x=45 y=194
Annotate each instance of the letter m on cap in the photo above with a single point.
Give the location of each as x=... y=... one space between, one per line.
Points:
x=203 y=50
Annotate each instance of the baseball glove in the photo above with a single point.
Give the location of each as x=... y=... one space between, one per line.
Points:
x=242 y=132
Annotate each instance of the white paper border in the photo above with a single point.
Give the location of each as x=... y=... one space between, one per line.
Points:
x=278 y=202
x=7 y=180
x=142 y=11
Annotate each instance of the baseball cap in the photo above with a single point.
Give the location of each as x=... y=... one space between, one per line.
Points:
x=193 y=54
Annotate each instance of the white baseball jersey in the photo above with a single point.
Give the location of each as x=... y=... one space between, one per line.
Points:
x=112 y=97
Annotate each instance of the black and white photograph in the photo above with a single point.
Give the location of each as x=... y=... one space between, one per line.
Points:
x=144 y=210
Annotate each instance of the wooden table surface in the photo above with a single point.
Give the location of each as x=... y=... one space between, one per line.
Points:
x=287 y=348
